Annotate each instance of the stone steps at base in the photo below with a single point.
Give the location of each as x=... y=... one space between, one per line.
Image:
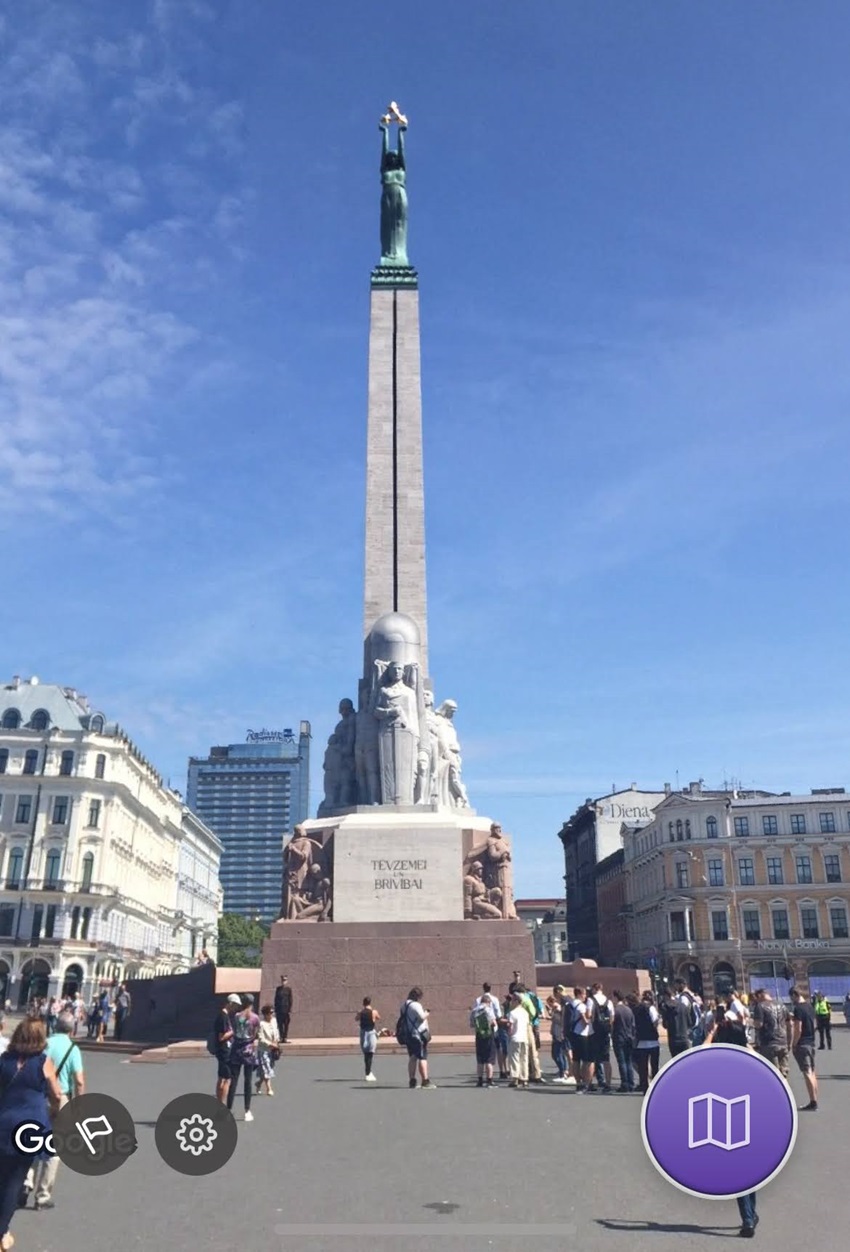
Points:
x=110 y=1046
x=192 y=1049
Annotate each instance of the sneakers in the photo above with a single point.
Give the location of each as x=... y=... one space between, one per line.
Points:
x=40 y=1205
x=249 y=1116
x=811 y=1107
x=411 y=1082
x=480 y=1082
x=371 y=1078
x=427 y=1085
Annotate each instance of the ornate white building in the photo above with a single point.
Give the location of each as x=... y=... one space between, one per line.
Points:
x=105 y=873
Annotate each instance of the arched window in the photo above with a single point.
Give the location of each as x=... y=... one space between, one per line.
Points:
x=66 y=764
x=679 y=834
x=52 y=866
x=88 y=870
x=100 y=765
x=40 y=720
x=711 y=827
x=4 y=759
x=687 y=828
x=30 y=761
x=15 y=866
x=670 y=829
x=97 y=724
x=11 y=719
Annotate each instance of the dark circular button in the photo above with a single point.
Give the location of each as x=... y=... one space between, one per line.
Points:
x=94 y=1134
x=195 y=1134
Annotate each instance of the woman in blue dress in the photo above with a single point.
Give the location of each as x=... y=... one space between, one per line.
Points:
x=27 y=1082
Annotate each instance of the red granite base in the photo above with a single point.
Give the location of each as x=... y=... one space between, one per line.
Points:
x=331 y=966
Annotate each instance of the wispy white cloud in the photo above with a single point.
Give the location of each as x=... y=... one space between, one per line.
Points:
x=95 y=254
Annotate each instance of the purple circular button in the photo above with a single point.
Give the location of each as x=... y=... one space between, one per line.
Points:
x=719 y=1121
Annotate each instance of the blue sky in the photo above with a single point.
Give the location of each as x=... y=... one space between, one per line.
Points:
x=632 y=227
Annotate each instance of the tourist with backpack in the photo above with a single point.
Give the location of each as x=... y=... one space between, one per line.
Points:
x=482 y=1018
x=503 y=1037
x=602 y=1011
x=677 y=1019
x=412 y=1033
x=530 y=1001
x=647 y=1051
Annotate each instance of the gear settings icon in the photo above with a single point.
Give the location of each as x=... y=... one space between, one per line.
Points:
x=196 y=1134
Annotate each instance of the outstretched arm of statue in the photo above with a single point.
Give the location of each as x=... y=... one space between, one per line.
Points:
x=402 y=128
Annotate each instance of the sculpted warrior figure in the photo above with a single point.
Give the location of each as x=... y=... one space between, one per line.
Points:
x=313 y=901
x=338 y=764
x=302 y=857
x=366 y=751
x=497 y=866
x=396 y=707
x=479 y=900
x=451 y=790
x=426 y=776
x=394 y=195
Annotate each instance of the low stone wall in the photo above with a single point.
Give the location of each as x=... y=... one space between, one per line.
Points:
x=583 y=974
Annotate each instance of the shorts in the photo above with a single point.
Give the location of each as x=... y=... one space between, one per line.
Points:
x=600 y=1047
x=223 y=1061
x=485 y=1049
x=804 y=1055
x=417 y=1049
x=581 y=1048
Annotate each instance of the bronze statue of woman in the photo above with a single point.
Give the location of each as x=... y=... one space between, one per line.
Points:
x=393 y=199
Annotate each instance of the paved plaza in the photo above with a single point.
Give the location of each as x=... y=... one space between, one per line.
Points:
x=330 y=1163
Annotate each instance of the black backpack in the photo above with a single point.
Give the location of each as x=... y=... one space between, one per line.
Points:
x=402 y=1027
x=602 y=1016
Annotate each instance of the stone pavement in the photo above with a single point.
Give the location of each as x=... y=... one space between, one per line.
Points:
x=333 y=1165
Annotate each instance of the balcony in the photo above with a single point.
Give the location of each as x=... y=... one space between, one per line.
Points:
x=61 y=886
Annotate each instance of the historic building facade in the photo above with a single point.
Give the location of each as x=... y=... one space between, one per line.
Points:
x=589 y=836
x=105 y=873
x=546 y=919
x=743 y=889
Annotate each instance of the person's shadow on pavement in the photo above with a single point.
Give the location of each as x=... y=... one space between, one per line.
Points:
x=667 y=1228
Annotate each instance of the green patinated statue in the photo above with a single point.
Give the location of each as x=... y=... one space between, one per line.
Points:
x=394 y=195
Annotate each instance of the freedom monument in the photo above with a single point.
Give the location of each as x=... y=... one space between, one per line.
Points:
x=397 y=882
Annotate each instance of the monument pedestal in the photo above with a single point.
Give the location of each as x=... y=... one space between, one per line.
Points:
x=331 y=966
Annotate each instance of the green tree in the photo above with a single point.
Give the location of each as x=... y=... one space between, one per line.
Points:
x=240 y=941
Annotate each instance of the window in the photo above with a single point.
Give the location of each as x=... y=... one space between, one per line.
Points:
x=24 y=809
x=97 y=725
x=50 y=921
x=715 y=873
x=670 y=830
x=75 y=922
x=798 y=823
x=779 y=917
x=7 y=920
x=11 y=720
x=752 y=924
x=94 y=813
x=40 y=720
x=4 y=759
x=16 y=865
x=746 y=872
x=66 y=763
x=711 y=827
x=827 y=823
x=809 y=922
x=838 y=921
x=719 y=925
x=52 y=866
x=60 y=810
x=682 y=879
x=30 y=761
x=88 y=870
x=832 y=865
x=774 y=870
x=804 y=869
x=742 y=825
x=679 y=831
x=37 y=919
x=770 y=825
x=100 y=765
x=687 y=828
x=86 y=923
x=678 y=934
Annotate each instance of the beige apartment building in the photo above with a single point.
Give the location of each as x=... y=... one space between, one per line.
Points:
x=742 y=889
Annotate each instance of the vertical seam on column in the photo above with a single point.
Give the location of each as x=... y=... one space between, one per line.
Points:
x=395 y=451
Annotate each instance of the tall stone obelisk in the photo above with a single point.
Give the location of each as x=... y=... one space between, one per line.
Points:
x=395 y=499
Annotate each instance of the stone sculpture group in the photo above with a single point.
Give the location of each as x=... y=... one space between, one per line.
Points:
x=396 y=749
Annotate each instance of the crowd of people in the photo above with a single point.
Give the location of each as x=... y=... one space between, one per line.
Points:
x=109 y=1005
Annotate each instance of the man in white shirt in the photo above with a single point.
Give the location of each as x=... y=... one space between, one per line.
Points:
x=582 y=1035
x=416 y=1018
x=519 y=1028
x=602 y=1017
